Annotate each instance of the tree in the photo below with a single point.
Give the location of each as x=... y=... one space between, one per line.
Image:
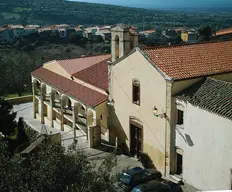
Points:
x=53 y=169
x=205 y=33
x=17 y=68
x=7 y=118
x=12 y=130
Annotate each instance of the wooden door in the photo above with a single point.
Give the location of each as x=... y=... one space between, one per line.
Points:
x=135 y=140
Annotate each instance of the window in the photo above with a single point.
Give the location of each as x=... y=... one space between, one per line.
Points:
x=179 y=164
x=180 y=117
x=136 y=92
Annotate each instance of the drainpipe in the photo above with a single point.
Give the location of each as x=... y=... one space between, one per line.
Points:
x=110 y=98
x=168 y=128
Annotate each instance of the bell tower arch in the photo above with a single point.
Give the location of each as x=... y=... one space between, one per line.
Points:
x=120 y=41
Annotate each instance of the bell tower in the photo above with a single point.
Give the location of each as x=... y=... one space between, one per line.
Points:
x=120 y=41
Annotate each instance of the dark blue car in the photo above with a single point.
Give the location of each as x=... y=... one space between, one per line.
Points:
x=136 y=176
x=157 y=186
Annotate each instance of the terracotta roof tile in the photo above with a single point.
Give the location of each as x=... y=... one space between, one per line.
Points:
x=224 y=31
x=73 y=66
x=78 y=29
x=192 y=60
x=210 y=94
x=147 y=31
x=82 y=93
x=96 y=75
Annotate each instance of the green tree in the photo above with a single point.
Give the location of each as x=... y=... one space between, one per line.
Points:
x=205 y=33
x=7 y=118
x=53 y=169
x=13 y=131
x=17 y=67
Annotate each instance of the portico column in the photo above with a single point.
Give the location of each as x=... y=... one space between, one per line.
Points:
x=95 y=121
x=34 y=100
x=42 y=107
x=75 y=113
x=62 y=116
x=51 y=109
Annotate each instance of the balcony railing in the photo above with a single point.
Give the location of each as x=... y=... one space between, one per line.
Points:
x=47 y=97
x=37 y=92
x=68 y=110
x=57 y=104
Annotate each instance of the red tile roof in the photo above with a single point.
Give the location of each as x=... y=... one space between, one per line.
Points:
x=147 y=31
x=224 y=31
x=192 y=60
x=96 y=75
x=73 y=66
x=82 y=93
x=78 y=29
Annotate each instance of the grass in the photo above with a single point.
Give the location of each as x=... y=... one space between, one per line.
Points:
x=16 y=95
x=21 y=9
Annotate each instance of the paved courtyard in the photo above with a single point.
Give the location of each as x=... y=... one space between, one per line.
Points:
x=96 y=155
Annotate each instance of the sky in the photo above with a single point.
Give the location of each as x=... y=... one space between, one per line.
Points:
x=165 y=3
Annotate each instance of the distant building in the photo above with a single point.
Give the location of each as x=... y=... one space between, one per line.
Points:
x=148 y=33
x=105 y=34
x=33 y=26
x=6 y=36
x=30 y=30
x=47 y=31
x=18 y=30
x=189 y=36
x=224 y=34
x=79 y=31
x=62 y=26
x=62 y=33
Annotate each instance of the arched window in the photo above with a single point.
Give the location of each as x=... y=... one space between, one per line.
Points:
x=136 y=92
x=116 y=47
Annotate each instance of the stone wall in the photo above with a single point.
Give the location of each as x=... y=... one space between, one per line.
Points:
x=19 y=100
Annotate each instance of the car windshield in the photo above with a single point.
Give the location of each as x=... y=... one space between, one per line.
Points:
x=136 y=190
x=125 y=178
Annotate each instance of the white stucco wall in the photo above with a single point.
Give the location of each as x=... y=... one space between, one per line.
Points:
x=207 y=149
x=153 y=93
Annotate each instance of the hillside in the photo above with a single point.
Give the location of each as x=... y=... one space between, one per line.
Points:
x=46 y=12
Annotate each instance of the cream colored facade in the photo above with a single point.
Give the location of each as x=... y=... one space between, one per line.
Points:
x=153 y=93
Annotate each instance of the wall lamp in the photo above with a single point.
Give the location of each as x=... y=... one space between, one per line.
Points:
x=111 y=103
x=155 y=112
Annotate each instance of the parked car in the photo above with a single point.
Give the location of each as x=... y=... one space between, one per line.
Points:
x=136 y=176
x=157 y=186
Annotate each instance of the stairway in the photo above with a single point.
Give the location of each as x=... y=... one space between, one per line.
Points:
x=175 y=179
